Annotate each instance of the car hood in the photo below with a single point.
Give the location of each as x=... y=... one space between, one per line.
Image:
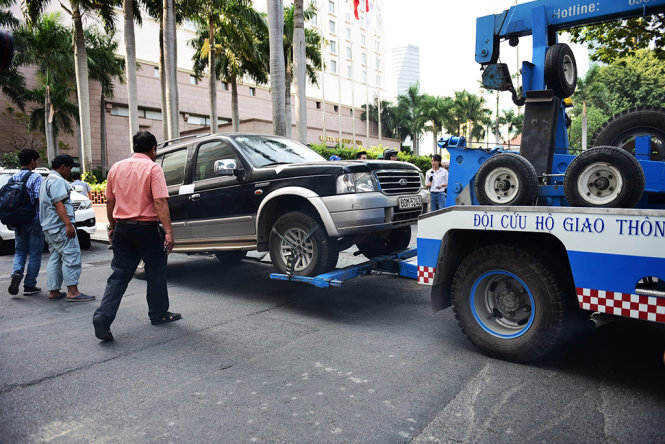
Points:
x=338 y=167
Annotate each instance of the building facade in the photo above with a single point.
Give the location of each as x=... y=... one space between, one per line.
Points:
x=406 y=67
x=353 y=60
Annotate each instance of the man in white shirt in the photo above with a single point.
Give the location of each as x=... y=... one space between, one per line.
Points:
x=436 y=180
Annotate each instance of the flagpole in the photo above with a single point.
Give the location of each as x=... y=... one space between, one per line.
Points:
x=323 y=92
x=339 y=106
x=379 y=107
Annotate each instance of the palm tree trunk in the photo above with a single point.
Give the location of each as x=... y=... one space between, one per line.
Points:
x=235 y=115
x=130 y=67
x=287 y=100
x=162 y=84
x=170 y=62
x=83 y=91
x=299 y=70
x=48 y=127
x=277 y=74
x=212 y=76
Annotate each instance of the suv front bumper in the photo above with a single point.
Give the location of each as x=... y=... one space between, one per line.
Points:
x=366 y=212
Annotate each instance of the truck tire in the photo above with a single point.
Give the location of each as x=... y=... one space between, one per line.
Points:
x=604 y=176
x=506 y=179
x=84 y=239
x=621 y=130
x=386 y=242
x=561 y=70
x=230 y=257
x=510 y=303
x=317 y=254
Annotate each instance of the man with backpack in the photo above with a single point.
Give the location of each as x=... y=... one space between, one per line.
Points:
x=19 y=207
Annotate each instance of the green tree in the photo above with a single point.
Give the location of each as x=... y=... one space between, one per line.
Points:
x=12 y=81
x=469 y=115
x=433 y=111
x=240 y=51
x=618 y=39
x=388 y=117
x=409 y=116
x=512 y=121
x=47 y=45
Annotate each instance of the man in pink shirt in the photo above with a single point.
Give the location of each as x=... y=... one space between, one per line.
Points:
x=136 y=202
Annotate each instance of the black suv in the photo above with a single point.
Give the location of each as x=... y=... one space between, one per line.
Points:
x=230 y=193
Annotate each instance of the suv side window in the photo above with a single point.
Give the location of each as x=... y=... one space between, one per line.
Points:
x=207 y=155
x=174 y=167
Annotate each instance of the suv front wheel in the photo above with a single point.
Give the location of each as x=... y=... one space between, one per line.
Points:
x=298 y=237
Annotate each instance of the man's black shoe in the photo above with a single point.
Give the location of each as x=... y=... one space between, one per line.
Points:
x=31 y=290
x=102 y=331
x=13 y=287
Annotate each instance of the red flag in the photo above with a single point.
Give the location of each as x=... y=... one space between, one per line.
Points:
x=356 y=3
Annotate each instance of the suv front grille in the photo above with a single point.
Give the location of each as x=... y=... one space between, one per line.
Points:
x=389 y=181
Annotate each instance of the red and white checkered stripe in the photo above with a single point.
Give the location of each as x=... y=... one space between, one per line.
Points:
x=648 y=308
x=426 y=275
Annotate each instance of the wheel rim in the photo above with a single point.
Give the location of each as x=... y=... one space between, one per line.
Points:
x=502 y=185
x=600 y=183
x=569 y=73
x=292 y=244
x=626 y=141
x=502 y=304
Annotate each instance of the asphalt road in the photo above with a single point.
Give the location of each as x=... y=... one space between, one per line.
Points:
x=255 y=360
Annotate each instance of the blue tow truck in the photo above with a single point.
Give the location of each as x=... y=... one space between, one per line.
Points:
x=530 y=244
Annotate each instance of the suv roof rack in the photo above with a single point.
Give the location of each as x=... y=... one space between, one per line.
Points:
x=177 y=139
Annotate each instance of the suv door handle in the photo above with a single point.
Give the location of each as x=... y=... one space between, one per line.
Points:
x=195 y=196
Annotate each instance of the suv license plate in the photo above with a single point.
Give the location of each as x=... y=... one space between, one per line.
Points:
x=405 y=203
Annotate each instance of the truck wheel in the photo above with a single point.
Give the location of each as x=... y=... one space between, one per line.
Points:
x=315 y=255
x=230 y=257
x=84 y=239
x=561 y=70
x=386 y=242
x=604 y=176
x=509 y=303
x=622 y=129
x=506 y=179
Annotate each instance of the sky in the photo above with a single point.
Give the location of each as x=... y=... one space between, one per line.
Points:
x=445 y=32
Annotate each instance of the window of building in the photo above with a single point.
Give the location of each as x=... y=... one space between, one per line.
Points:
x=362 y=21
x=155 y=72
x=363 y=40
x=122 y=111
x=333 y=66
x=225 y=86
x=349 y=71
x=378 y=80
x=252 y=91
x=331 y=26
x=336 y=108
x=151 y=114
x=318 y=105
x=193 y=80
x=377 y=46
x=331 y=7
x=363 y=58
x=351 y=112
x=315 y=19
x=348 y=33
x=378 y=63
x=348 y=52
x=333 y=47
x=190 y=25
x=209 y=153
x=364 y=76
x=348 y=16
x=174 y=167
x=199 y=119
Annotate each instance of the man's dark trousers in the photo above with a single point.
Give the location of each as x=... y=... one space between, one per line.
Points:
x=131 y=243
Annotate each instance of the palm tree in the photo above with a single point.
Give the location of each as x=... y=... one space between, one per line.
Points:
x=105 y=10
x=299 y=70
x=410 y=120
x=12 y=81
x=434 y=109
x=469 y=113
x=388 y=117
x=239 y=37
x=512 y=121
x=130 y=15
x=277 y=67
x=170 y=69
x=47 y=45
x=312 y=54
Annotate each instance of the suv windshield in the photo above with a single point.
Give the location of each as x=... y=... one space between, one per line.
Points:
x=264 y=151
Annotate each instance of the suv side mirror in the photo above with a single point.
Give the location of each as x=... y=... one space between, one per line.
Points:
x=225 y=167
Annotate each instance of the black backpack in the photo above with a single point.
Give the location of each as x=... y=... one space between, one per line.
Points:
x=15 y=205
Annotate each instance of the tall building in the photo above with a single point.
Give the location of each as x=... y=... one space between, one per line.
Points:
x=353 y=76
x=406 y=67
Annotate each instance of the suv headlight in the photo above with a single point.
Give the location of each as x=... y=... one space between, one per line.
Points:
x=85 y=204
x=356 y=183
x=422 y=180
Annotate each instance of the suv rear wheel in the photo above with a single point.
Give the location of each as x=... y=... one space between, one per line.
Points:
x=299 y=236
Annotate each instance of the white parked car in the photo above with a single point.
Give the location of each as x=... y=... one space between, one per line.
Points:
x=83 y=213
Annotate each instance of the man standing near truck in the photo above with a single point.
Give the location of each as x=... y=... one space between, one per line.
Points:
x=137 y=201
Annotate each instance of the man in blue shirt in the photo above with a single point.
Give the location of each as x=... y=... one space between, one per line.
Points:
x=29 y=239
x=57 y=219
x=84 y=187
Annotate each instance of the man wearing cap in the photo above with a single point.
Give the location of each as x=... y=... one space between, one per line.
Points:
x=136 y=202
x=56 y=215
